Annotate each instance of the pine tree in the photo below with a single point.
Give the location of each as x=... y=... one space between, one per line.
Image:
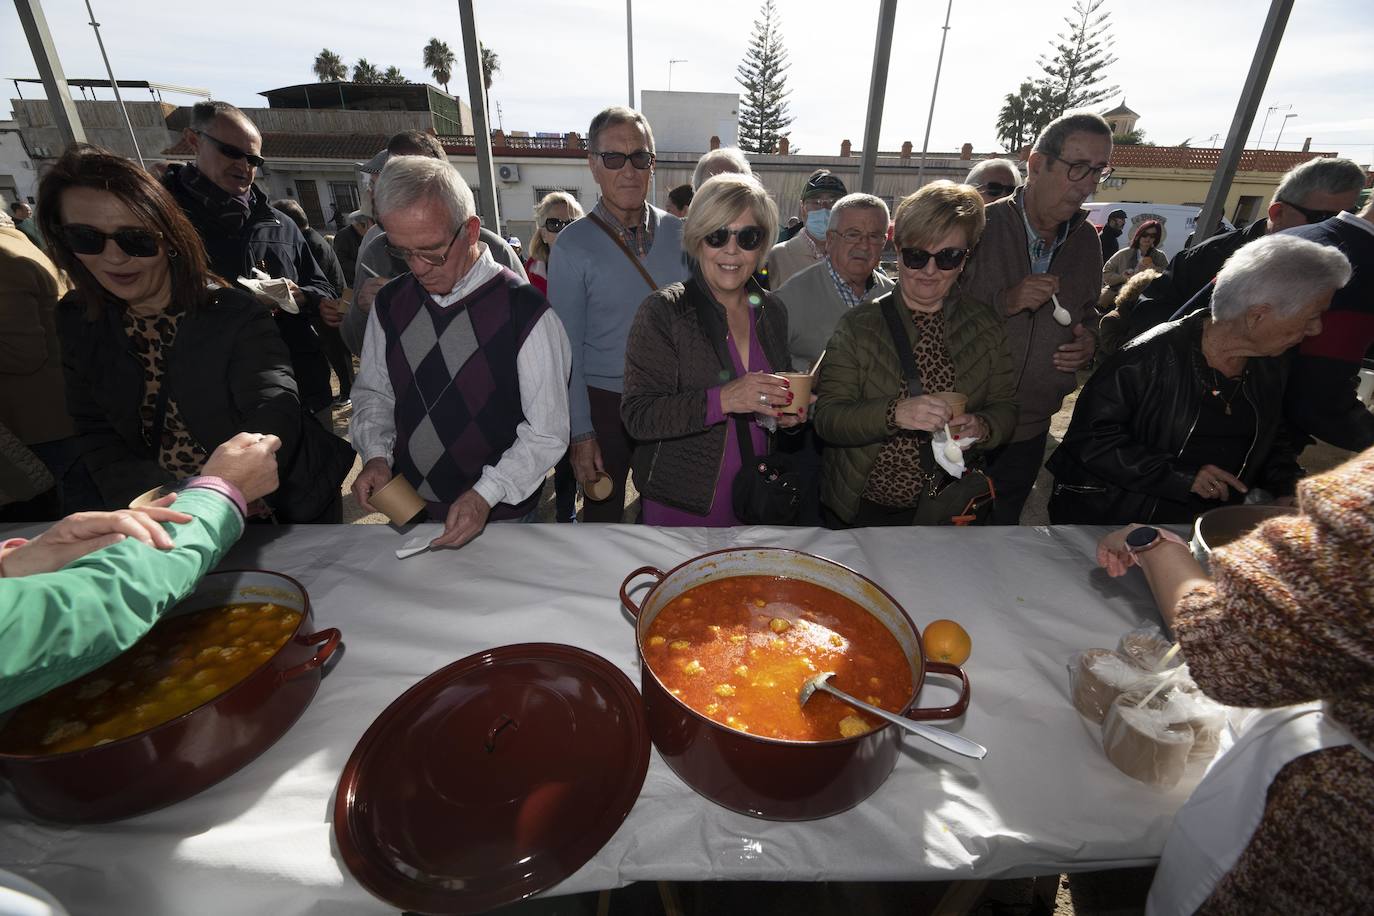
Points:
x=439 y=60
x=763 y=74
x=364 y=72
x=330 y=66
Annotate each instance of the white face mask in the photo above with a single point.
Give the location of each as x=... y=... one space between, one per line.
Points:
x=817 y=222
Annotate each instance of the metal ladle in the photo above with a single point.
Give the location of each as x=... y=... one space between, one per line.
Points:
x=947 y=740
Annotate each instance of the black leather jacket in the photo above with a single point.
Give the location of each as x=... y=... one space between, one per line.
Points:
x=1134 y=417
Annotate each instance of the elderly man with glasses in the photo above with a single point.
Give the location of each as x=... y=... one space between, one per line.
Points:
x=607 y=264
x=1040 y=256
x=463 y=383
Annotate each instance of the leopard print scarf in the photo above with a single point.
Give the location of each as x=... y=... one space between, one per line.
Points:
x=178 y=453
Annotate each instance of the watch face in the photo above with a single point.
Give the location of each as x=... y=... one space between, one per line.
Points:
x=1142 y=537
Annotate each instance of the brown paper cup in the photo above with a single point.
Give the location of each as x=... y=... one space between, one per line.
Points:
x=957 y=405
x=398 y=500
x=147 y=499
x=801 y=391
x=599 y=490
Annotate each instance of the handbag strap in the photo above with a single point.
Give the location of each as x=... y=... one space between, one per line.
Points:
x=914 y=388
x=710 y=323
x=620 y=243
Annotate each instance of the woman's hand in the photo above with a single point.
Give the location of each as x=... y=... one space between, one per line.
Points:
x=926 y=412
x=1212 y=482
x=757 y=392
x=969 y=426
x=86 y=532
x=1112 y=554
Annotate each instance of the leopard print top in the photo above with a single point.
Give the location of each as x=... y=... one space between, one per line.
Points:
x=897 y=476
x=152 y=335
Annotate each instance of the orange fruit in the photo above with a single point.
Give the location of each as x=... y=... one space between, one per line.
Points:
x=946 y=641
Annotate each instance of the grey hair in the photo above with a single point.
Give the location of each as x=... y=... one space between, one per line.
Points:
x=975 y=174
x=610 y=117
x=1282 y=271
x=860 y=201
x=718 y=162
x=1325 y=175
x=1051 y=139
x=408 y=180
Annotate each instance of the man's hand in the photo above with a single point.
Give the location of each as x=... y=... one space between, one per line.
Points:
x=365 y=295
x=1071 y=357
x=586 y=461
x=249 y=462
x=1031 y=293
x=332 y=311
x=297 y=294
x=466 y=519
x=86 y=532
x=374 y=475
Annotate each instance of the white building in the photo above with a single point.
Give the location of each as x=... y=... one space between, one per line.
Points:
x=685 y=122
x=18 y=177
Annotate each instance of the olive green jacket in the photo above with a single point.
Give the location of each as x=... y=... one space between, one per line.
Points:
x=862 y=375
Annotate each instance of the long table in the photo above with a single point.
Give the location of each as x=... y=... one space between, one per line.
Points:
x=1045 y=800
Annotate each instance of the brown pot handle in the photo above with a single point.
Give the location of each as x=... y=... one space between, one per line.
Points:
x=331 y=638
x=625 y=601
x=944 y=712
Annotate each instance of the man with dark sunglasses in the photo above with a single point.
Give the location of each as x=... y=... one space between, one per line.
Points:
x=1039 y=250
x=242 y=231
x=994 y=179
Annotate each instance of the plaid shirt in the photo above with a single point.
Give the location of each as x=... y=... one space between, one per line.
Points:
x=842 y=286
x=639 y=238
x=1042 y=252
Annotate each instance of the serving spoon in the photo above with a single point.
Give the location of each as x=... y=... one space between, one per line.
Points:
x=947 y=740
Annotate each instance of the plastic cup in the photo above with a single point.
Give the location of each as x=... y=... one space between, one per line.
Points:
x=801 y=391
x=398 y=500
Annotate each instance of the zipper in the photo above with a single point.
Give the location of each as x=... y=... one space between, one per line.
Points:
x=1253 y=442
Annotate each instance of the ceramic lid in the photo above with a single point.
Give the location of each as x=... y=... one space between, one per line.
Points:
x=492 y=779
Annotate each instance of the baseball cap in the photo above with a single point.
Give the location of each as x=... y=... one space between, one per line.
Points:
x=375 y=165
x=823 y=182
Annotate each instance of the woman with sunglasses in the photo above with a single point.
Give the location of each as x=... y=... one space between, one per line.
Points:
x=680 y=400
x=552 y=215
x=162 y=359
x=1142 y=254
x=876 y=429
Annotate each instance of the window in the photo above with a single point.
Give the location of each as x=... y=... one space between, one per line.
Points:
x=345 y=194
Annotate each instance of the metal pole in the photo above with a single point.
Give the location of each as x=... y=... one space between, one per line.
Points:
x=489 y=208
x=630 y=47
x=925 y=144
x=1264 y=124
x=877 y=91
x=60 y=102
x=1250 y=97
x=114 y=84
x=1281 y=127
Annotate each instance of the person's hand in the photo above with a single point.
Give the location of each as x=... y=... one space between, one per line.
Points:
x=466 y=519
x=374 y=475
x=249 y=462
x=1112 y=554
x=585 y=457
x=969 y=427
x=332 y=311
x=756 y=392
x=1071 y=357
x=1212 y=482
x=1030 y=293
x=926 y=412
x=365 y=295
x=86 y=532
x=297 y=294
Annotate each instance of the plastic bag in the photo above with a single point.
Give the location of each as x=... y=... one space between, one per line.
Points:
x=1099 y=676
x=1146 y=646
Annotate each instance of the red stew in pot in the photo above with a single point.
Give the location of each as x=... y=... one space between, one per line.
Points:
x=739 y=650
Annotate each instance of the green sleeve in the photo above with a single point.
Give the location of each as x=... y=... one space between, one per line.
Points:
x=842 y=415
x=55 y=627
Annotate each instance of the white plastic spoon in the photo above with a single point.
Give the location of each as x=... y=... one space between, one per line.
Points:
x=953 y=453
x=1061 y=314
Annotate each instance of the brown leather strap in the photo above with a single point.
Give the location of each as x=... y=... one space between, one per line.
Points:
x=620 y=243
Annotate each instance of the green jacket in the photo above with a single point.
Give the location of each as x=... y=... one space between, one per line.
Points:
x=55 y=627
x=862 y=375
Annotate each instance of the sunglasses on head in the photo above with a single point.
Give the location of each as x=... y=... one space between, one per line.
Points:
x=749 y=238
x=556 y=225
x=136 y=243
x=1312 y=216
x=616 y=161
x=945 y=258
x=233 y=152
x=997 y=189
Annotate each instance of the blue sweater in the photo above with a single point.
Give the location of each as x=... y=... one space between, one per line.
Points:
x=596 y=292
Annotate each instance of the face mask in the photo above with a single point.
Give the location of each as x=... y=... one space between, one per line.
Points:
x=817 y=221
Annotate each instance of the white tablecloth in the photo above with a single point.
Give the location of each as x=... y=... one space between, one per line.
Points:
x=1044 y=800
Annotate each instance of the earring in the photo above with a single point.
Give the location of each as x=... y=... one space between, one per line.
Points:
x=172 y=253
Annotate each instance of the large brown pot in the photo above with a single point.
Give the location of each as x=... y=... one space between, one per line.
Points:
x=769 y=777
x=179 y=758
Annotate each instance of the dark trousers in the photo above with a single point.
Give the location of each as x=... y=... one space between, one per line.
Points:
x=616 y=448
x=564 y=490
x=1013 y=469
x=340 y=360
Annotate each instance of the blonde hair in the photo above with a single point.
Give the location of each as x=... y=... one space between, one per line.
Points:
x=937 y=209
x=539 y=249
x=718 y=201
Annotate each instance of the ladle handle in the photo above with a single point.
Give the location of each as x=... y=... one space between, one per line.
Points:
x=947 y=740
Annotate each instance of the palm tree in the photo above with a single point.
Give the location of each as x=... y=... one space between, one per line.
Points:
x=364 y=72
x=393 y=75
x=491 y=65
x=330 y=66
x=439 y=61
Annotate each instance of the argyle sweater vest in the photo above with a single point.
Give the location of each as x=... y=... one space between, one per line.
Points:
x=454 y=377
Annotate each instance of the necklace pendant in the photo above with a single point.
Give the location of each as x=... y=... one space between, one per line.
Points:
x=1228 y=410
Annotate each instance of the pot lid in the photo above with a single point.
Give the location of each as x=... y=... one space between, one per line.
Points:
x=492 y=779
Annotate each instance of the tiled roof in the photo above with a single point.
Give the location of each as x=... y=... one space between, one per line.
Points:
x=1207 y=159
x=294 y=145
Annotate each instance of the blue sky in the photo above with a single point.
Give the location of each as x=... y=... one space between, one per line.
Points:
x=1181 y=64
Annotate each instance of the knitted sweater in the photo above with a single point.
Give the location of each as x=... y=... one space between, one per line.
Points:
x=814 y=307
x=596 y=291
x=1289 y=619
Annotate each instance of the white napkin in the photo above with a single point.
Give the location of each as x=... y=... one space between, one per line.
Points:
x=277 y=289
x=413 y=546
x=937 y=445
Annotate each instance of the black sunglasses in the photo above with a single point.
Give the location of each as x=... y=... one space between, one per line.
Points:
x=616 y=161
x=997 y=189
x=556 y=225
x=945 y=258
x=750 y=237
x=136 y=243
x=233 y=152
x=1312 y=216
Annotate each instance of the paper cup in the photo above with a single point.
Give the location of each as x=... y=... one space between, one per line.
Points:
x=801 y=391
x=398 y=500
x=957 y=404
x=599 y=490
x=144 y=500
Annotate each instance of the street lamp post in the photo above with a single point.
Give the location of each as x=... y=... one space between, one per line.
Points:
x=1281 y=127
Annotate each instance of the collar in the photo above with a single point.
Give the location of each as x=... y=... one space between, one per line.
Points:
x=481 y=271
x=1354 y=220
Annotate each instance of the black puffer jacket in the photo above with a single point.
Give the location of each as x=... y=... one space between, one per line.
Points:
x=669 y=365
x=1119 y=459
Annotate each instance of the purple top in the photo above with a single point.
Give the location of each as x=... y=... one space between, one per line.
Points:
x=722 y=514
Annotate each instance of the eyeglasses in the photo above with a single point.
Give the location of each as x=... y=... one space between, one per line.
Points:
x=433 y=260
x=1077 y=171
x=945 y=258
x=233 y=152
x=136 y=243
x=855 y=237
x=750 y=237
x=616 y=161
x=997 y=189
x=556 y=225
x=1313 y=216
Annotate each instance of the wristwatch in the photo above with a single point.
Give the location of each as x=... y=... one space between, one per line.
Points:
x=1147 y=538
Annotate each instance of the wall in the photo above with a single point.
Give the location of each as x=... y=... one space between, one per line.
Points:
x=323 y=121
x=684 y=122
x=1164 y=186
x=18 y=177
x=104 y=125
